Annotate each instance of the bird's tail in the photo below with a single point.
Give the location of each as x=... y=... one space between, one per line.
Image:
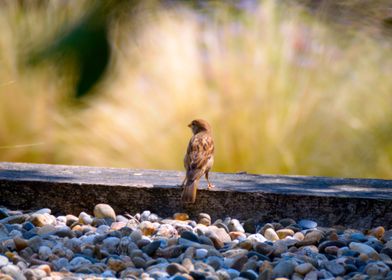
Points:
x=189 y=192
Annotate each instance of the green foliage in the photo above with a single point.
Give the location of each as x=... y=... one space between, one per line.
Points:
x=86 y=42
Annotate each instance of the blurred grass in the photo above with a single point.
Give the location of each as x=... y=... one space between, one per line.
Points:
x=284 y=91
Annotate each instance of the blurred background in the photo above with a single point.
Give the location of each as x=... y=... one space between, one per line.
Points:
x=290 y=87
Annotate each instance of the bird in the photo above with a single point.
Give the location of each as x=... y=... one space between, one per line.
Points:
x=198 y=160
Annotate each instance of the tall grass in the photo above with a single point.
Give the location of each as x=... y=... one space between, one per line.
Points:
x=284 y=93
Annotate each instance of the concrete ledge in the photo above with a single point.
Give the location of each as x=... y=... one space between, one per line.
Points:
x=358 y=203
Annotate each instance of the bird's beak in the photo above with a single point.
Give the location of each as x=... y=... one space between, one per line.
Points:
x=190 y=125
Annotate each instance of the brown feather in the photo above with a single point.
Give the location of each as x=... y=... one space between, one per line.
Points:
x=189 y=192
x=198 y=159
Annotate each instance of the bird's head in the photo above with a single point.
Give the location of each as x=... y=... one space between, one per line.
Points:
x=199 y=126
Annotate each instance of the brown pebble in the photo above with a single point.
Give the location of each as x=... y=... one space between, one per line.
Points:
x=187 y=263
x=116 y=265
x=378 y=232
x=9 y=255
x=283 y=233
x=217 y=242
x=45 y=268
x=20 y=243
x=333 y=236
x=299 y=236
x=363 y=257
x=311 y=238
x=332 y=250
x=5 y=277
x=204 y=219
x=239 y=262
x=304 y=268
x=263 y=248
x=174 y=268
x=170 y=252
x=147 y=228
x=190 y=252
x=40 y=220
x=246 y=244
x=77 y=227
x=263 y=229
x=266 y=266
x=181 y=216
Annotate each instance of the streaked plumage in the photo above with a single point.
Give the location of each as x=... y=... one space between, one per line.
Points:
x=198 y=160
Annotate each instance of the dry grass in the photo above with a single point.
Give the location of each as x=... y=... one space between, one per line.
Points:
x=284 y=93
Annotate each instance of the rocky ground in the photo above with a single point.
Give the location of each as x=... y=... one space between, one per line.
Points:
x=39 y=245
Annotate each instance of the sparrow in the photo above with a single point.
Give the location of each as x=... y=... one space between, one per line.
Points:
x=198 y=159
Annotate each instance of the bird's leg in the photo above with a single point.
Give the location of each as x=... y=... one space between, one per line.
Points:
x=210 y=186
x=183 y=182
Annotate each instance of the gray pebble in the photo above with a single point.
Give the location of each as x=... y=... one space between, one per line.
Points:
x=284 y=268
x=307 y=224
x=150 y=248
x=201 y=253
x=44 y=252
x=335 y=268
x=190 y=236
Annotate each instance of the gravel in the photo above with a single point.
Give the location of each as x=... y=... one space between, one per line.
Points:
x=40 y=245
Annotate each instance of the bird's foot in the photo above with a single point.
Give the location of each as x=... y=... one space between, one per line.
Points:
x=210 y=186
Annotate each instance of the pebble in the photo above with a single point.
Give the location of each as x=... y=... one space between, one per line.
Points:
x=85 y=219
x=284 y=268
x=235 y=225
x=377 y=269
x=104 y=211
x=204 y=219
x=271 y=235
x=39 y=245
x=147 y=228
x=13 y=271
x=150 y=248
x=387 y=236
x=190 y=236
x=283 y=233
x=307 y=224
x=299 y=236
x=40 y=220
x=44 y=253
x=363 y=248
x=174 y=268
x=181 y=216
x=378 y=232
x=257 y=237
x=335 y=268
x=201 y=253
x=304 y=268
x=3 y=261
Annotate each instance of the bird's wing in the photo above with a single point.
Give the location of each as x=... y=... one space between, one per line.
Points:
x=199 y=152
